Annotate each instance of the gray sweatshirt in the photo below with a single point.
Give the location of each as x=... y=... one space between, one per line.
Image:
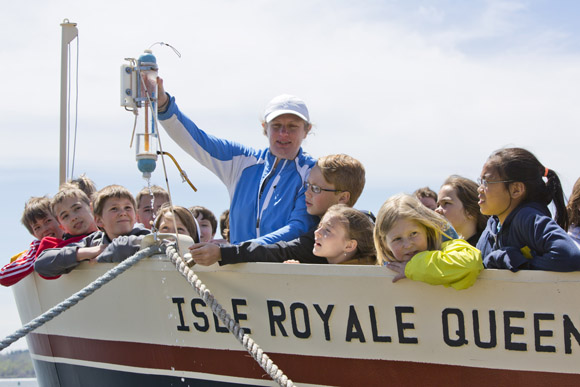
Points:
x=54 y=262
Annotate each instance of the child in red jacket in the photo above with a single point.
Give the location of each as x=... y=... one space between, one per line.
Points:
x=39 y=221
x=72 y=210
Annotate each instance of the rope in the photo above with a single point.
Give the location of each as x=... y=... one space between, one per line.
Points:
x=249 y=344
x=78 y=296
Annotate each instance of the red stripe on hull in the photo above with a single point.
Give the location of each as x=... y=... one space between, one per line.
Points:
x=301 y=369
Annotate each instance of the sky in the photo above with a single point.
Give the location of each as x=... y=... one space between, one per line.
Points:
x=416 y=90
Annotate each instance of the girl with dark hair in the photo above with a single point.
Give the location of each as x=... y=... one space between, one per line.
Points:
x=457 y=201
x=573 y=208
x=521 y=233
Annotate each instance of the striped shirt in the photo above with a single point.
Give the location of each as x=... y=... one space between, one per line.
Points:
x=20 y=267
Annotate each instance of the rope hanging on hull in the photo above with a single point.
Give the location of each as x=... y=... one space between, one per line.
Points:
x=247 y=342
x=169 y=249
x=78 y=296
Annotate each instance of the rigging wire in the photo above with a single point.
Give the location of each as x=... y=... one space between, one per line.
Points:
x=168 y=45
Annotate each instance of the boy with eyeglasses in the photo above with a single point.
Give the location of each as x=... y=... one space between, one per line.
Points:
x=335 y=179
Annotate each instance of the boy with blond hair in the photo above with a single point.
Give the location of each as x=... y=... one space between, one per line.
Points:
x=39 y=221
x=335 y=179
x=145 y=210
x=117 y=239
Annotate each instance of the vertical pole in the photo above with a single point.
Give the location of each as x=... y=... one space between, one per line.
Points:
x=69 y=32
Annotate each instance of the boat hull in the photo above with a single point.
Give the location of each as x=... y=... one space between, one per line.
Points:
x=321 y=324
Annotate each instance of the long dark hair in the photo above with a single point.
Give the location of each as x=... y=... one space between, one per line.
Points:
x=518 y=164
x=466 y=191
x=574 y=205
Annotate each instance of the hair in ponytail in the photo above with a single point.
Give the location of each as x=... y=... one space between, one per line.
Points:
x=518 y=164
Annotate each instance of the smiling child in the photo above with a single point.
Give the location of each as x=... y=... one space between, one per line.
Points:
x=408 y=239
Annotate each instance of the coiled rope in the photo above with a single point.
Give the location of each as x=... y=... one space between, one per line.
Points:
x=79 y=296
x=247 y=342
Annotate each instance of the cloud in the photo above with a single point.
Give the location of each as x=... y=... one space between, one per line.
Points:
x=416 y=92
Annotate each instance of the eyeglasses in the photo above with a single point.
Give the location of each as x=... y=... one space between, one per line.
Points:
x=316 y=189
x=485 y=183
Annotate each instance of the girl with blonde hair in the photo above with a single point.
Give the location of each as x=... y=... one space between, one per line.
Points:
x=408 y=239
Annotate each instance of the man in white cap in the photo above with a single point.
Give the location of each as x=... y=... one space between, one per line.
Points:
x=266 y=186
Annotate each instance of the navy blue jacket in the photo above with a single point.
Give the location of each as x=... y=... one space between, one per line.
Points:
x=528 y=239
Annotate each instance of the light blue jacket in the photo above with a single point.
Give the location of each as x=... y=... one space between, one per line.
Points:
x=266 y=205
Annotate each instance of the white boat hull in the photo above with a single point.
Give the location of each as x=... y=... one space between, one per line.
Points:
x=321 y=324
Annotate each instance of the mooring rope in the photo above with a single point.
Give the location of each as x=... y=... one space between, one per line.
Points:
x=79 y=296
x=248 y=343
x=169 y=249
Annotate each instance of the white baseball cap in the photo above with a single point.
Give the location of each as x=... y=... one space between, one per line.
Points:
x=286 y=104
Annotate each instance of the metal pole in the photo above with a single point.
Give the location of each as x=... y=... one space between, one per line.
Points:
x=69 y=32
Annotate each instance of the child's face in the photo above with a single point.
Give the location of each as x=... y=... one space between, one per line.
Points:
x=406 y=238
x=494 y=197
x=118 y=217
x=205 y=229
x=145 y=213
x=428 y=202
x=166 y=224
x=331 y=239
x=75 y=216
x=318 y=203
x=46 y=227
x=449 y=205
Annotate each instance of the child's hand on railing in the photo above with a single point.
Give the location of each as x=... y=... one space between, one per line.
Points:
x=399 y=268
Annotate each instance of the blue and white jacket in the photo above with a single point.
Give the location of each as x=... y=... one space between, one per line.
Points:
x=528 y=239
x=266 y=204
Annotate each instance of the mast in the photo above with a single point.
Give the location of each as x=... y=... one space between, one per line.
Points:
x=69 y=32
